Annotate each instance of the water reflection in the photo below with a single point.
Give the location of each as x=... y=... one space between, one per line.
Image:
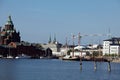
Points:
x=36 y=69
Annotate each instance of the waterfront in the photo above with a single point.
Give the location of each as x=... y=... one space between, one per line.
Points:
x=54 y=69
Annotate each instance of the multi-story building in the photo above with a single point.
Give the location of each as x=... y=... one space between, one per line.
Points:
x=8 y=33
x=111 y=46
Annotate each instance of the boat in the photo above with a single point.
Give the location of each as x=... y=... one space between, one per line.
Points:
x=68 y=57
x=22 y=56
x=9 y=57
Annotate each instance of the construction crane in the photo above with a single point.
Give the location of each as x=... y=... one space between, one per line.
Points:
x=79 y=36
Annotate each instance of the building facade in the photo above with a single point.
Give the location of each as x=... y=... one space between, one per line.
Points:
x=111 y=46
x=8 y=33
x=53 y=45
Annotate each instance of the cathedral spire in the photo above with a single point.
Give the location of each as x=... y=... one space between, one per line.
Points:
x=9 y=21
x=54 y=38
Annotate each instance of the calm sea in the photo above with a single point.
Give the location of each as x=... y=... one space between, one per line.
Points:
x=53 y=69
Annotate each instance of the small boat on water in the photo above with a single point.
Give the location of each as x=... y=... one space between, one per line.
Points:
x=9 y=57
x=23 y=56
x=68 y=57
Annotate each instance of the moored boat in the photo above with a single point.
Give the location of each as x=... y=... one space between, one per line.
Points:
x=68 y=57
x=23 y=56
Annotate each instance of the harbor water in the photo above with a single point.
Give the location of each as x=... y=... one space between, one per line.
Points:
x=54 y=69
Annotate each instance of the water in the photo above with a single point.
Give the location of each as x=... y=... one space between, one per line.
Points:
x=52 y=69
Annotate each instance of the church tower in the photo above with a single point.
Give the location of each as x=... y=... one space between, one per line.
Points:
x=9 y=24
x=49 y=39
x=54 y=41
x=8 y=33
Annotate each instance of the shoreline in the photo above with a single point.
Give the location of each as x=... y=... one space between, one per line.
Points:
x=116 y=60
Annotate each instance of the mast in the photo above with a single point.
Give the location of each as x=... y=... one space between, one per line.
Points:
x=109 y=36
x=79 y=37
x=73 y=36
x=66 y=45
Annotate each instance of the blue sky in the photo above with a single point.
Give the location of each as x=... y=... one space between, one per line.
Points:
x=38 y=19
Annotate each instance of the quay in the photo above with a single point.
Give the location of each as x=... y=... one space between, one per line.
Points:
x=11 y=46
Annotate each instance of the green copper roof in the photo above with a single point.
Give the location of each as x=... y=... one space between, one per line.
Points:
x=54 y=38
x=9 y=21
x=49 y=39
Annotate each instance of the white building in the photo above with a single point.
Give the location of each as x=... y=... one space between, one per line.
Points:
x=115 y=49
x=79 y=47
x=78 y=54
x=54 y=46
x=111 y=46
x=93 y=46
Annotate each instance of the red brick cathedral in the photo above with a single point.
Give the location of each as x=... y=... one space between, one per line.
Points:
x=8 y=33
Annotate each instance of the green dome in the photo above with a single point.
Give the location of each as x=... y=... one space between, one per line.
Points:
x=9 y=21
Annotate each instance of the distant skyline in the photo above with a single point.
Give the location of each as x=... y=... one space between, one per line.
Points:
x=38 y=19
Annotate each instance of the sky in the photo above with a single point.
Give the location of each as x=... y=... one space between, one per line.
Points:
x=37 y=20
